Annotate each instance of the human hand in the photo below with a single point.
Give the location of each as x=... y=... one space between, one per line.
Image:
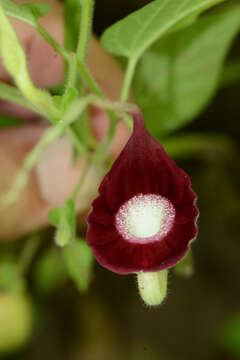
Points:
x=54 y=178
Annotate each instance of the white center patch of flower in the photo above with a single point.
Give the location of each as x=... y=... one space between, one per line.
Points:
x=145 y=218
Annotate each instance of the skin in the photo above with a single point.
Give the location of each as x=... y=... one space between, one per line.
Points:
x=53 y=179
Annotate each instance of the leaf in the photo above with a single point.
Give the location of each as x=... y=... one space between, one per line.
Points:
x=15 y=62
x=79 y=261
x=178 y=76
x=65 y=221
x=131 y=36
x=49 y=272
x=28 y=13
x=54 y=216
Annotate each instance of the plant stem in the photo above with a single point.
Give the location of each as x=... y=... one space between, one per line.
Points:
x=81 y=179
x=57 y=47
x=72 y=71
x=88 y=79
x=33 y=156
x=128 y=79
x=85 y=29
x=75 y=141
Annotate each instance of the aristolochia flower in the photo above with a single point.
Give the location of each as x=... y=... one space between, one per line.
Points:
x=145 y=215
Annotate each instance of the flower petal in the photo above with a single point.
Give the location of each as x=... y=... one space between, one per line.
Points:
x=142 y=168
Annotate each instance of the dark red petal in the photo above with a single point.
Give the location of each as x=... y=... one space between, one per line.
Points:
x=143 y=167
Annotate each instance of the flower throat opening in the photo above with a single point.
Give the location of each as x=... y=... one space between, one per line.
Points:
x=145 y=218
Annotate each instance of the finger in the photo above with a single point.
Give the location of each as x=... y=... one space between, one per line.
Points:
x=54 y=178
x=49 y=185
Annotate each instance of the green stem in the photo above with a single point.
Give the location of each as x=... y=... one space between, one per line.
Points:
x=87 y=7
x=128 y=79
x=81 y=179
x=72 y=71
x=32 y=158
x=88 y=79
x=76 y=142
x=101 y=151
x=57 y=47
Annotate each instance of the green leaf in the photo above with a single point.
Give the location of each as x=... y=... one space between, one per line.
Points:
x=15 y=62
x=65 y=221
x=54 y=216
x=79 y=262
x=178 y=76
x=132 y=35
x=49 y=272
x=28 y=13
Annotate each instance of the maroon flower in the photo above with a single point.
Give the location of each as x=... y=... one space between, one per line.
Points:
x=145 y=215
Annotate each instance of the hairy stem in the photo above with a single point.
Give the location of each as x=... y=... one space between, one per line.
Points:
x=87 y=7
x=128 y=79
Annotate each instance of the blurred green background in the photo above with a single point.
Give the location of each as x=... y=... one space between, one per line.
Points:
x=200 y=319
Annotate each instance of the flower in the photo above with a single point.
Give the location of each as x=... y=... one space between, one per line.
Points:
x=145 y=215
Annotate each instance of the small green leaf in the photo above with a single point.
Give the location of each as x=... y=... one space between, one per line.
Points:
x=79 y=262
x=54 y=216
x=65 y=220
x=132 y=35
x=28 y=13
x=49 y=272
x=178 y=76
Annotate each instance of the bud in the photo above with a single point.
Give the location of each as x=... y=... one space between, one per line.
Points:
x=152 y=286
